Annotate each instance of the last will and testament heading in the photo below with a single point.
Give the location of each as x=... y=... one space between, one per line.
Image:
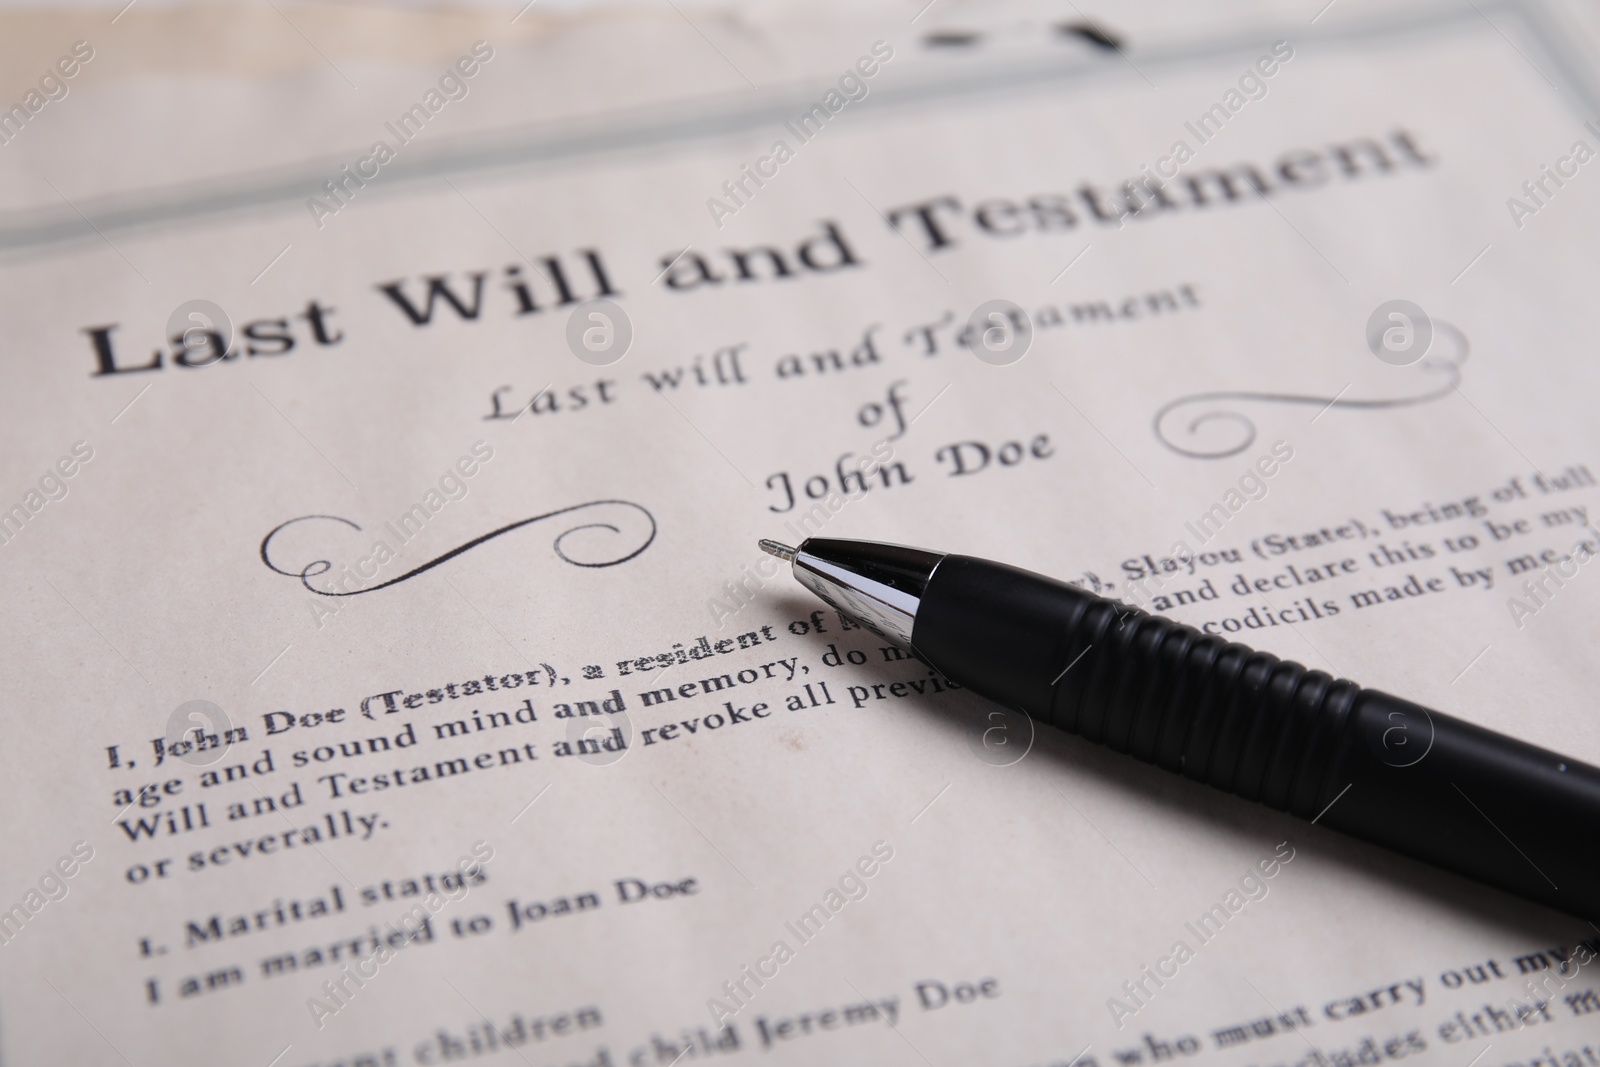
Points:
x=935 y=224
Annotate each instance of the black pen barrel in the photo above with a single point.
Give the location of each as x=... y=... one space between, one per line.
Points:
x=1371 y=765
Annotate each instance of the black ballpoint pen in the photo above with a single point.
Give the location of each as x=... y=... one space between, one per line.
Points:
x=1371 y=765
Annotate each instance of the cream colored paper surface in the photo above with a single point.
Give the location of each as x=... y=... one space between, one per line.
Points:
x=831 y=855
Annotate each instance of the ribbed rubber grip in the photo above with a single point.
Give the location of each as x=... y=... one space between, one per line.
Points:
x=1269 y=730
x=1245 y=722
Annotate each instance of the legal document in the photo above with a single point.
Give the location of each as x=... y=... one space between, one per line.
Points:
x=393 y=400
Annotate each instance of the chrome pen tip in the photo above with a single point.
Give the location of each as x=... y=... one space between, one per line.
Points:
x=777 y=548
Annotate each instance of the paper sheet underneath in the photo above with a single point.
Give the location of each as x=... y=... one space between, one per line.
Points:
x=700 y=817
